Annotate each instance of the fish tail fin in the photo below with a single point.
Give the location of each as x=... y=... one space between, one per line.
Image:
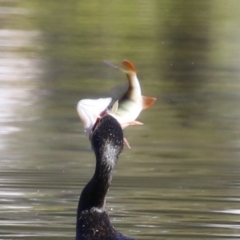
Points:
x=127 y=65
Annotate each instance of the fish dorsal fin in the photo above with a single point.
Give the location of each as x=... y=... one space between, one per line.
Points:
x=118 y=91
x=128 y=66
x=147 y=101
x=114 y=107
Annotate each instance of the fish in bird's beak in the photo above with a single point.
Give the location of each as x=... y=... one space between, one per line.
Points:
x=125 y=109
x=90 y=110
x=132 y=102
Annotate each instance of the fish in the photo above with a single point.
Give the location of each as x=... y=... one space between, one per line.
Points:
x=89 y=110
x=130 y=105
x=124 y=107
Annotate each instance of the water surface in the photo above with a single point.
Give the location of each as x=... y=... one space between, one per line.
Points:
x=181 y=178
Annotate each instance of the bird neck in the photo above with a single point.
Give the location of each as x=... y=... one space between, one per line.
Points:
x=94 y=193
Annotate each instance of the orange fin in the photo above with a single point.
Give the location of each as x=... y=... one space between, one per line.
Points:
x=128 y=66
x=147 y=101
x=126 y=142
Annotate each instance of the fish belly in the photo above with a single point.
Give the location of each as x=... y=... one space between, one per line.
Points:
x=127 y=111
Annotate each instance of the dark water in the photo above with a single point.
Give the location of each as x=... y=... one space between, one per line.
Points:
x=181 y=179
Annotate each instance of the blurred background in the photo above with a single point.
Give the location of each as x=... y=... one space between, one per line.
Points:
x=181 y=179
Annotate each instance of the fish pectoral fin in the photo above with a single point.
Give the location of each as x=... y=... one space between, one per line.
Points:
x=126 y=142
x=114 y=107
x=148 y=101
x=132 y=123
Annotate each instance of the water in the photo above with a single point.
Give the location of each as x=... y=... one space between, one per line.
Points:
x=181 y=178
